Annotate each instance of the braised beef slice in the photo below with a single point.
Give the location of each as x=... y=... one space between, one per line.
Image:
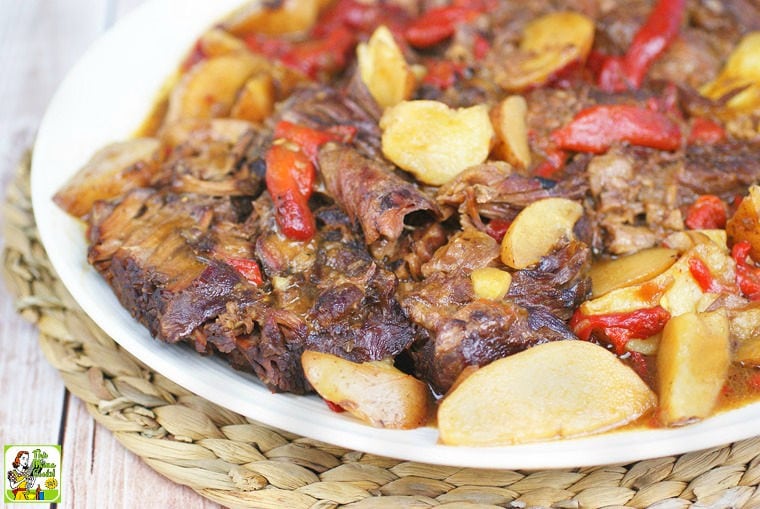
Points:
x=493 y=190
x=370 y=193
x=558 y=284
x=141 y=249
x=321 y=107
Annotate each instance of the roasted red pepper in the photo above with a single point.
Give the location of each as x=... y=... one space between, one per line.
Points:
x=747 y=274
x=361 y=18
x=248 y=268
x=555 y=160
x=308 y=139
x=334 y=406
x=290 y=177
x=312 y=57
x=437 y=25
x=702 y=275
x=707 y=212
x=619 y=328
x=706 y=132
x=442 y=74
x=595 y=129
x=497 y=228
x=657 y=33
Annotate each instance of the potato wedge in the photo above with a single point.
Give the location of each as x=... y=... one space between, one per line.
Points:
x=433 y=141
x=217 y=42
x=112 y=171
x=210 y=87
x=548 y=45
x=546 y=392
x=256 y=99
x=675 y=289
x=288 y=16
x=742 y=71
x=490 y=283
x=537 y=229
x=745 y=223
x=508 y=120
x=375 y=392
x=685 y=240
x=629 y=270
x=692 y=365
x=384 y=70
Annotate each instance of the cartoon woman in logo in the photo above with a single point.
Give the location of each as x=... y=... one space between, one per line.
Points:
x=21 y=477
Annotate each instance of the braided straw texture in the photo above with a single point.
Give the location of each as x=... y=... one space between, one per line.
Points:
x=239 y=462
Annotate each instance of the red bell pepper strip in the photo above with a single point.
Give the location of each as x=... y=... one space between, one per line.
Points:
x=555 y=160
x=704 y=278
x=706 y=132
x=309 y=140
x=497 y=228
x=289 y=178
x=754 y=381
x=657 y=33
x=361 y=18
x=437 y=25
x=442 y=74
x=747 y=274
x=707 y=212
x=248 y=268
x=311 y=57
x=619 y=328
x=595 y=129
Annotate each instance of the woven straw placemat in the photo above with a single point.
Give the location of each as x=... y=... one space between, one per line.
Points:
x=239 y=462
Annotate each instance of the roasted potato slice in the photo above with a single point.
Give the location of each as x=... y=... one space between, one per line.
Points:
x=217 y=42
x=549 y=44
x=684 y=240
x=490 y=283
x=741 y=72
x=629 y=270
x=433 y=141
x=745 y=223
x=375 y=392
x=692 y=364
x=546 y=392
x=511 y=131
x=255 y=101
x=210 y=87
x=537 y=229
x=285 y=17
x=675 y=289
x=384 y=70
x=112 y=171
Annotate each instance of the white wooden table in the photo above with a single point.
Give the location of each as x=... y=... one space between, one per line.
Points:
x=39 y=41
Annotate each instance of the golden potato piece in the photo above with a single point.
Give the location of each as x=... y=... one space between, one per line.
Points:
x=111 y=172
x=675 y=289
x=255 y=101
x=217 y=42
x=537 y=229
x=549 y=44
x=685 y=240
x=692 y=364
x=288 y=16
x=554 y=390
x=511 y=131
x=742 y=70
x=490 y=283
x=384 y=70
x=433 y=141
x=210 y=87
x=375 y=392
x=745 y=223
x=629 y=270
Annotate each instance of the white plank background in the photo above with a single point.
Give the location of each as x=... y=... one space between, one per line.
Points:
x=39 y=41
